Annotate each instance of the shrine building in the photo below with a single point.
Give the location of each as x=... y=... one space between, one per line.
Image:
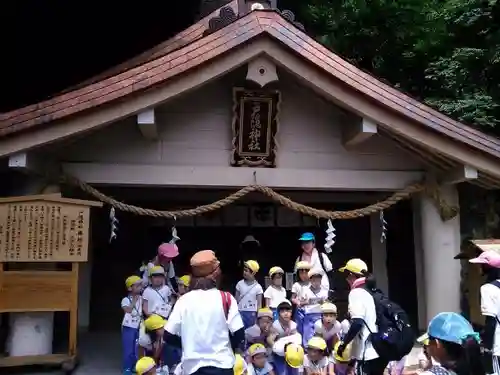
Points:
x=245 y=97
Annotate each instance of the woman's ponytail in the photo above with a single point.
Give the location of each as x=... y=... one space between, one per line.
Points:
x=465 y=359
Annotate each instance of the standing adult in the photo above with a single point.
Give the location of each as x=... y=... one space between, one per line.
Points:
x=490 y=308
x=206 y=322
x=165 y=254
x=316 y=259
x=363 y=313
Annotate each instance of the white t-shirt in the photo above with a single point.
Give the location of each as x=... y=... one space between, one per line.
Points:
x=275 y=294
x=490 y=306
x=248 y=295
x=299 y=289
x=362 y=306
x=327 y=334
x=316 y=367
x=132 y=319
x=283 y=331
x=158 y=300
x=316 y=265
x=170 y=273
x=198 y=318
x=315 y=299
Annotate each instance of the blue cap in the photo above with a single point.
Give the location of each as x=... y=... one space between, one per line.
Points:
x=451 y=327
x=308 y=236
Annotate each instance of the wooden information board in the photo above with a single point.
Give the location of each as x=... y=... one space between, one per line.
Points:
x=44 y=228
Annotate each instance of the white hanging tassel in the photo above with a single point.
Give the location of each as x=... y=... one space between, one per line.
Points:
x=330 y=236
x=113 y=223
x=175 y=237
x=383 y=223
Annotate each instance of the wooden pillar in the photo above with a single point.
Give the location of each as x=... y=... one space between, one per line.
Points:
x=440 y=243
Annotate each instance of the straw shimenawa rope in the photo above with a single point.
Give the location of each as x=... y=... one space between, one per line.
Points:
x=447 y=212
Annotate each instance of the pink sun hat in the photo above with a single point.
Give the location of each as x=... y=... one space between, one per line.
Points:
x=168 y=250
x=489 y=257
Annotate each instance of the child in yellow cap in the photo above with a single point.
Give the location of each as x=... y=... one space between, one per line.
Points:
x=249 y=293
x=315 y=295
x=132 y=308
x=145 y=365
x=317 y=360
x=259 y=364
x=183 y=284
x=258 y=333
x=299 y=290
x=328 y=327
x=275 y=293
x=151 y=343
x=157 y=297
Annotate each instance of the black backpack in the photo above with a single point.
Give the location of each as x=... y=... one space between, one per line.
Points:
x=395 y=337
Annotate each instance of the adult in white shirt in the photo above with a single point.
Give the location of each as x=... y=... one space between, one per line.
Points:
x=361 y=307
x=490 y=306
x=205 y=322
x=311 y=255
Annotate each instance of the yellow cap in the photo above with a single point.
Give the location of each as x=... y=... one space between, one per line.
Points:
x=256 y=349
x=424 y=339
x=346 y=354
x=132 y=280
x=303 y=265
x=239 y=365
x=315 y=272
x=157 y=270
x=274 y=270
x=252 y=265
x=356 y=266
x=328 y=308
x=317 y=343
x=144 y=365
x=154 y=322
x=185 y=280
x=294 y=355
x=264 y=312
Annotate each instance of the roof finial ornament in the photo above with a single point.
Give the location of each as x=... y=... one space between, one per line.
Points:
x=247 y=6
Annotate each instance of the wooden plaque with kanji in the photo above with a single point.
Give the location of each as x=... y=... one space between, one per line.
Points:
x=44 y=228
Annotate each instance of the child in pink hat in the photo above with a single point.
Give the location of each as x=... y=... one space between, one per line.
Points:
x=490 y=298
x=166 y=252
x=489 y=258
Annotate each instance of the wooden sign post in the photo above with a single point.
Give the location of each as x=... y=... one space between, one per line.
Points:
x=50 y=229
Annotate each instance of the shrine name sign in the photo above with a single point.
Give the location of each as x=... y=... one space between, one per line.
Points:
x=44 y=228
x=255 y=125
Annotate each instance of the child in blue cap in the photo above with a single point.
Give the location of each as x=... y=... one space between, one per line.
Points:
x=455 y=345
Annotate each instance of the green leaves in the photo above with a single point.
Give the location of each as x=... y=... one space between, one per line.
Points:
x=445 y=52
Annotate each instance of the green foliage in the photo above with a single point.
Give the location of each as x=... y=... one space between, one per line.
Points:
x=444 y=52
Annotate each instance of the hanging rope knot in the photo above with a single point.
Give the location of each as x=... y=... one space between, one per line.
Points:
x=432 y=190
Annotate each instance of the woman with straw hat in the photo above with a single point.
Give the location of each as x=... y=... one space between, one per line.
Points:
x=205 y=322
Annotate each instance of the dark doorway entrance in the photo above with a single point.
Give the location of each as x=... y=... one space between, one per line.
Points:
x=137 y=242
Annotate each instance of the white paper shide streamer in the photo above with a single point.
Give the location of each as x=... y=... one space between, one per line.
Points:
x=175 y=237
x=383 y=224
x=330 y=236
x=113 y=222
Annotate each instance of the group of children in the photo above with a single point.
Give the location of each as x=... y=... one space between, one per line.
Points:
x=277 y=329
x=146 y=310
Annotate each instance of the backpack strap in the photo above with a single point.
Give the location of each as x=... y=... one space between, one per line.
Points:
x=226 y=303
